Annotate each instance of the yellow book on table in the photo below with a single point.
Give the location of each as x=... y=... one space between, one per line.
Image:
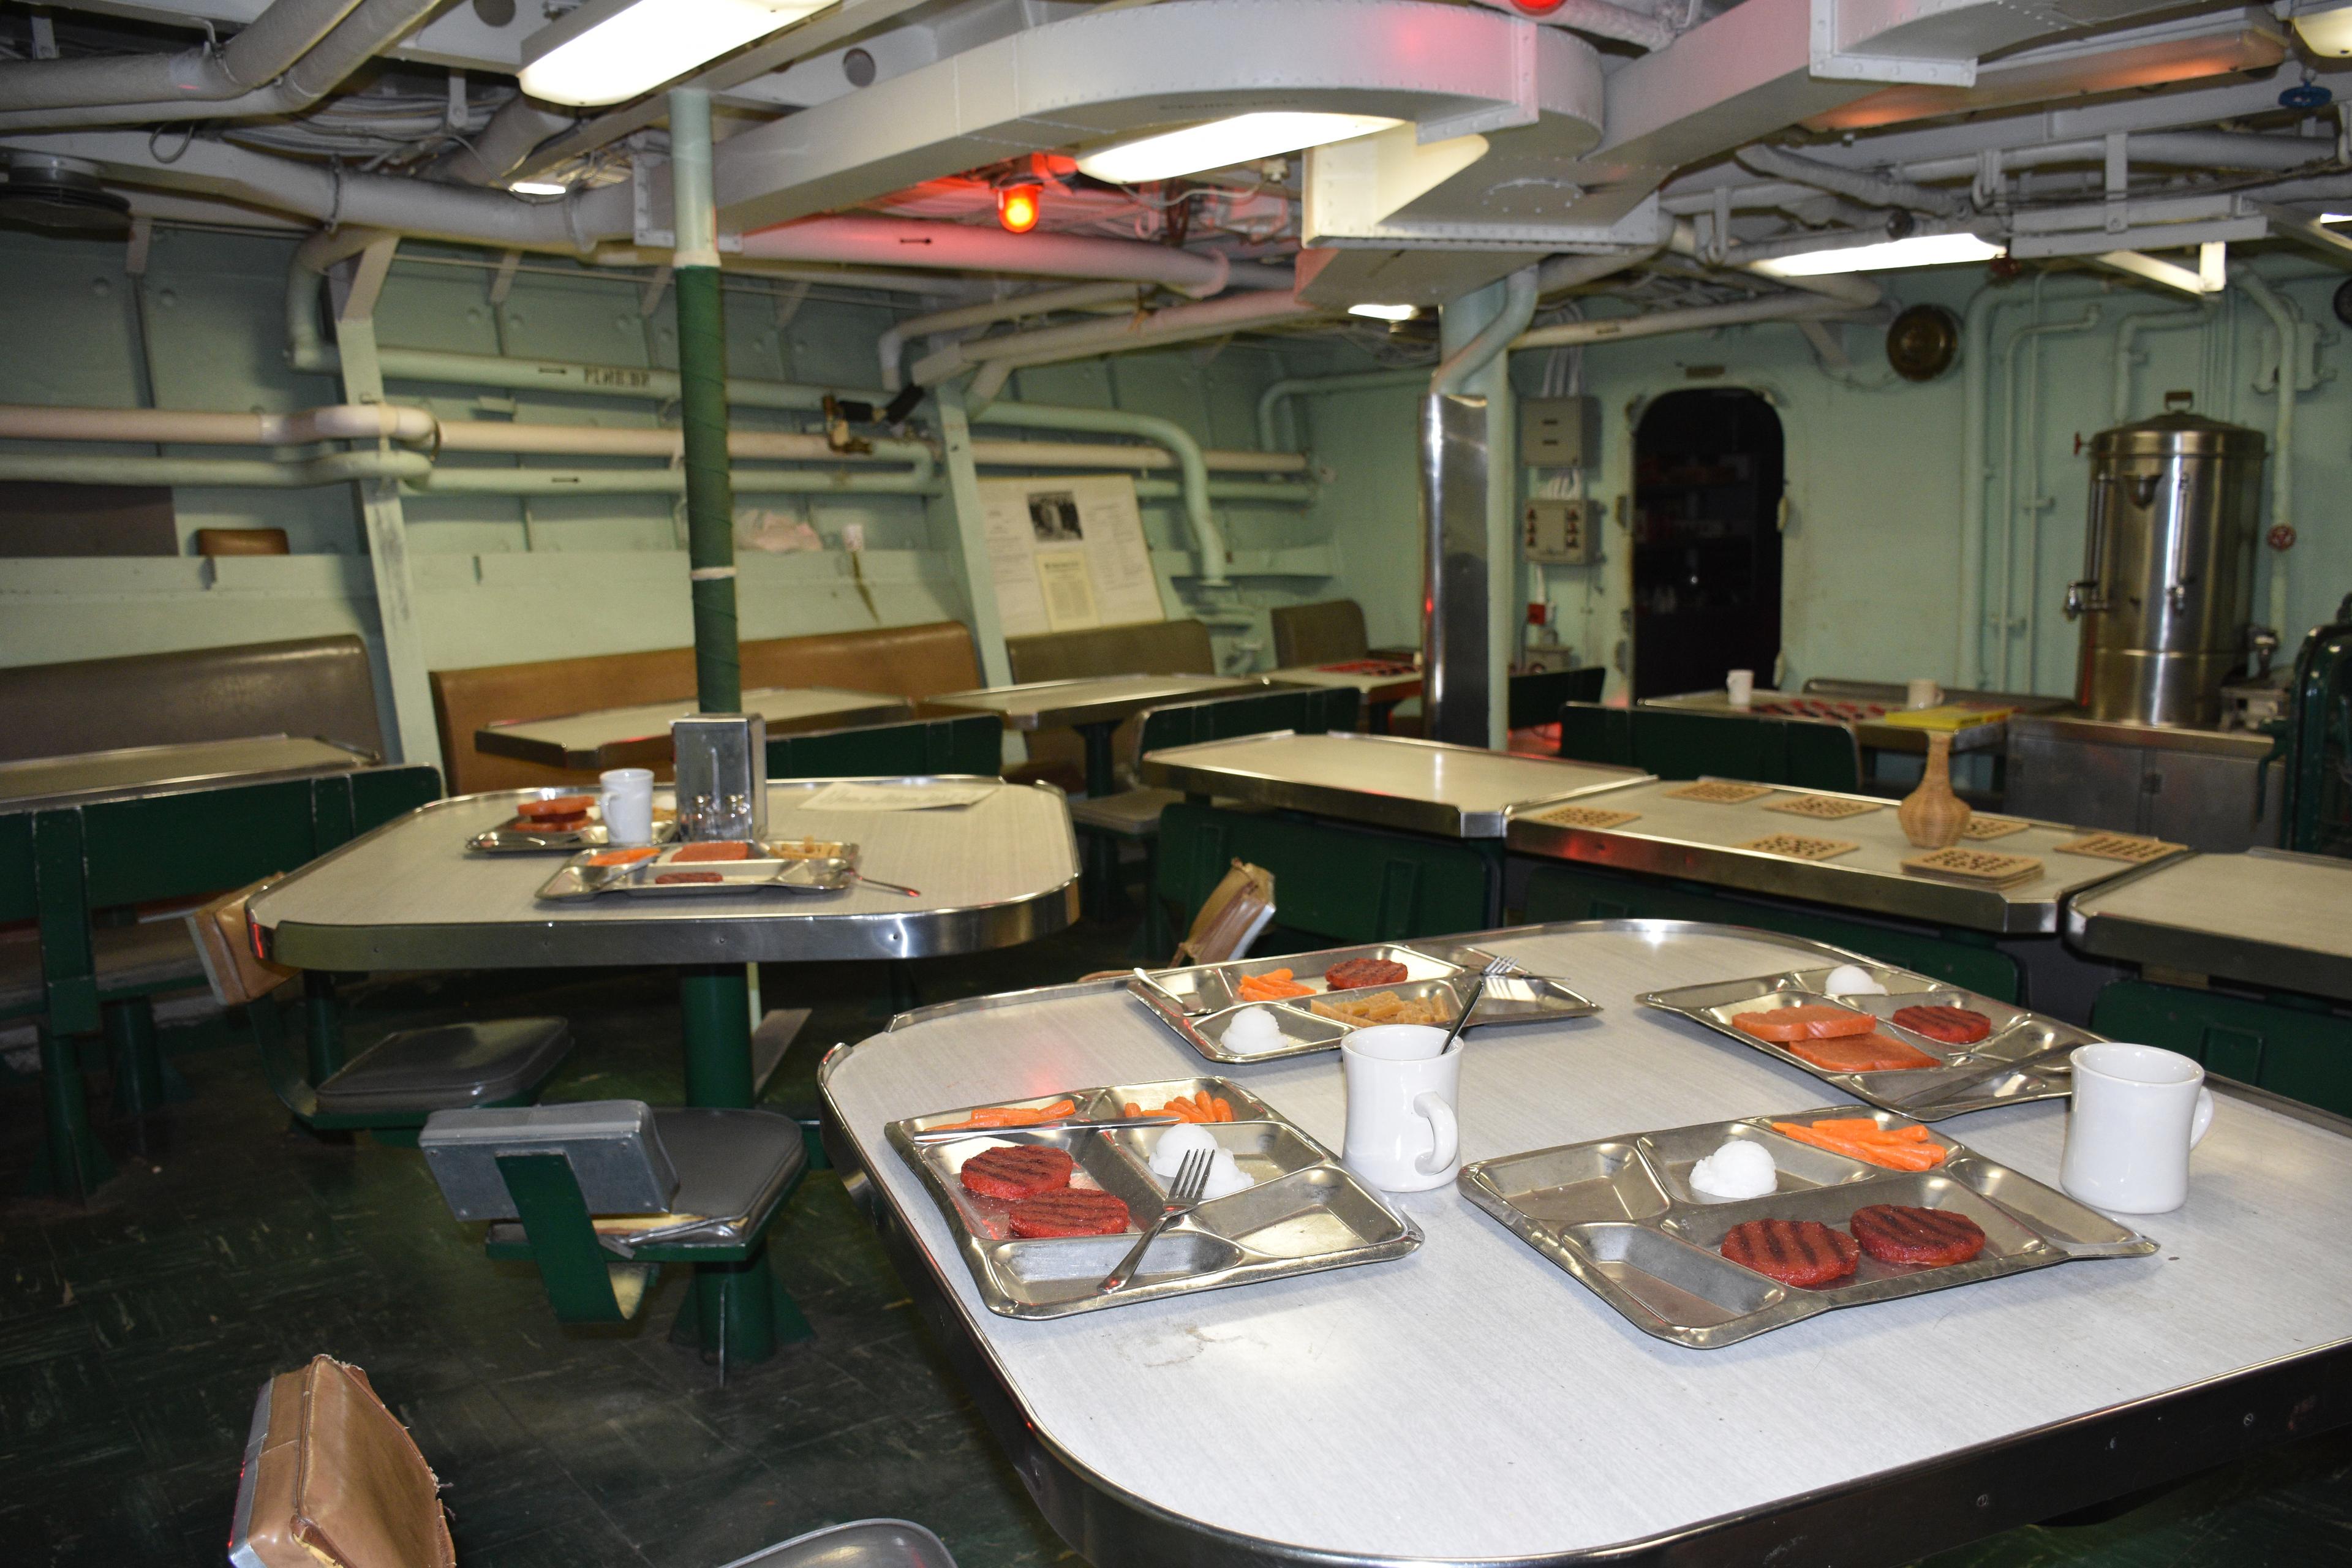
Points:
x=1949 y=717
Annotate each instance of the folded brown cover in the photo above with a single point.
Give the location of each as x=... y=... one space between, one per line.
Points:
x=225 y=943
x=339 y=1482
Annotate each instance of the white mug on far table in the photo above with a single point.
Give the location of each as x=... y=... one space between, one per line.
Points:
x=1402 y=1136
x=628 y=804
x=2137 y=1111
x=1739 y=686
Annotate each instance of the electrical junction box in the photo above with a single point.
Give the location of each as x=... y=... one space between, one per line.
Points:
x=1557 y=532
x=1559 y=432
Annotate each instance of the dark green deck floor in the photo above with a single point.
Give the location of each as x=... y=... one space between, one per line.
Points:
x=133 y=1336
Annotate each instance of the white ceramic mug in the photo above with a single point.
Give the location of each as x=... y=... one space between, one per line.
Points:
x=1401 y=1135
x=1922 y=694
x=2137 y=1111
x=1740 y=687
x=628 y=804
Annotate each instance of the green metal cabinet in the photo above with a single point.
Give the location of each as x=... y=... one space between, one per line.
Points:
x=969 y=744
x=1332 y=880
x=2294 y=1046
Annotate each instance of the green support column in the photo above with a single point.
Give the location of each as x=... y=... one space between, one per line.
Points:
x=326 y=1025
x=702 y=404
x=138 y=1062
x=70 y=1164
x=716 y=1003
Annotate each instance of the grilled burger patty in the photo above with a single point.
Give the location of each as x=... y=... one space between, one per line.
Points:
x=1952 y=1026
x=1793 y=1251
x=1017 y=1171
x=1356 y=973
x=1074 y=1211
x=1930 y=1238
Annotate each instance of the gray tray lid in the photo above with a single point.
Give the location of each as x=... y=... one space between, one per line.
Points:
x=615 y=1153
x=448 y=1068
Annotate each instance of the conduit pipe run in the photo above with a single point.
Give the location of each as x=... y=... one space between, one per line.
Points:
x=2019 y=623
x=371 y=28
x=660 y=482
x=263 y=48
x=1976 y=350
x=2128 y=333
x=336 y=422
x=912 y=242
x=1872 y=190
x=2282 y=316
x=233 y=473
x=1497 y=335
x=1271 y=399
x=1660 y=323
x=1083 y=340
x=892 y=346
x=1207 y=538
x=498 y=149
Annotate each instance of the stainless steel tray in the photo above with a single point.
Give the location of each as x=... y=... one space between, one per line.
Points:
x=2023 y=1059
x=1619 y=1217
x=1200 y=1001
x=1306 y=1213
x=786 y=867
x=514 y=836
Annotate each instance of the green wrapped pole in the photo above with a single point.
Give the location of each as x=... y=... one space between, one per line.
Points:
x=702 y=400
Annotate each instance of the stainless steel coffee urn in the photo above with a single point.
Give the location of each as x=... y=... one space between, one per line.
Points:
x=2167 y=573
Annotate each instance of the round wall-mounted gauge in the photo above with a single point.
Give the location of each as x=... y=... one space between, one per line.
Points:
x=1923 y=342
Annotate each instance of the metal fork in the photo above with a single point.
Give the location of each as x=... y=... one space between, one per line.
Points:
x=1496 y=968
x=1184 y=1196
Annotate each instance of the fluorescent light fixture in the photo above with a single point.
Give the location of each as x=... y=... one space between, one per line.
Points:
x=2335 y=217
x=1919 y=250
x=1386 y=312
x=2210 y=275
x=608 y=50
x=539 y=188
x=2325 y=32
x=1240 y=140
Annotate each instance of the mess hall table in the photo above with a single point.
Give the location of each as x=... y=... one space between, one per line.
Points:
x=1698 y=842
x=1384 y=683
x=1472 y=1403
x=103 y=831
x=1094 y=705
x=640 y=736
x=1866 y=716
x=409 y=896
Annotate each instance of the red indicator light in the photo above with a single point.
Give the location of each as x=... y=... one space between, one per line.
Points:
x=1016 y=208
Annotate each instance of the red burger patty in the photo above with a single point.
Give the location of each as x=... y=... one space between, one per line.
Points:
x=1931 y=1238
x=562 y=805
x=1952 y=1026
x=667 y=877
x=1074 y=1211
x=1017 y=1171
x=1358 y=973
x=1793 y=1251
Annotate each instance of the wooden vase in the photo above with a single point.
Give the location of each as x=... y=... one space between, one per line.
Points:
x=1932 y=815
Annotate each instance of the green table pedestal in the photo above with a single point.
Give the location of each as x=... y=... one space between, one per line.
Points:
x=737 y=1306
x=70 y=1164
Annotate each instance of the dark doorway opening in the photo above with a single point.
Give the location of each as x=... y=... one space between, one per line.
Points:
x=1707 y=541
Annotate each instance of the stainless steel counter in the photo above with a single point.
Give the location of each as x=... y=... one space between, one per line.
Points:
x=1695 y=840
x=1089 y=700
x=639 y=736
x=1423 y=786
x=2209 y=789
x=2265 y=917
x=42 y=783
x=408 y=896
x=1471 y=1404
x=1875 y=734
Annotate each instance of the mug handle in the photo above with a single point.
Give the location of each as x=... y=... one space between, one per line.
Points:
x=2202 y=1122
x=1432 y=1109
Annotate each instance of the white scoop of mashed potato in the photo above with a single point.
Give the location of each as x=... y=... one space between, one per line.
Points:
x=1849 y=980
x=1251 y=1031
x=1175 y=1143
x=1225 y=1177
x=1738 y=1170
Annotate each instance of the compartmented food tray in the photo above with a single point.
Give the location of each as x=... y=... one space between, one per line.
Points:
x=1619 y=1215
x=1200 y=1003
x=1302 y=1212
x=520 y=834
x=795 y=865
x=2021 y=1057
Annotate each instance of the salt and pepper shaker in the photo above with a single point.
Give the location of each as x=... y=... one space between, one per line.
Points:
x=723 y=776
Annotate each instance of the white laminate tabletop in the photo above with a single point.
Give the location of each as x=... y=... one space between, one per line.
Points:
x=1376 y=686
x=92 y=776
x=611 y=737
x=2264 y=916
x=1386 y=780
x=1089 y=700
x=1473 y=1402
x=411 y=896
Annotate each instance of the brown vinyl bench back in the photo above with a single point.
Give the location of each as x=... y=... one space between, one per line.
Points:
x=905 y=661
x=1148 y=647
x=319 y=686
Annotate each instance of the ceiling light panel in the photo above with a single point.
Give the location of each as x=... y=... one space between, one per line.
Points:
x=609 y=51
x=1243 y=139
x=1919 y=250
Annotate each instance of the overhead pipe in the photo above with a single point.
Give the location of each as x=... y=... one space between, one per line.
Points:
x=1696 y=318
x=489 y=481
x=336 y=422
x=1180 y=323
x=1451 y=377
x=1597 y=17
x=974 y=247
x=2282 y=319
x=2127 y=333
x=1560 y=273
x=367 y=30
x=1272 y=398
x=1874 y=190
x=259 y=51
x=891 y=346
x=1079 y=454
x=1206 y=537
x=490 y=155
x=233 y=473
x=1976 y=352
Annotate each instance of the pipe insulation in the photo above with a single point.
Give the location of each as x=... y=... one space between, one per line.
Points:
x=891 y=346
x=336 y=422
x=1180 y=323
x=1873 y=190
x=1519 y=308
x=371 y=28
x=2283 y=320
x=1272 y=397
x=702 y=407
x=500 y=148
x=261 y=51
x=1207 y=539
x=1660 y=323
x=913 y=242
x=1976 y=354
x=232 y=473
x=1560 y=273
